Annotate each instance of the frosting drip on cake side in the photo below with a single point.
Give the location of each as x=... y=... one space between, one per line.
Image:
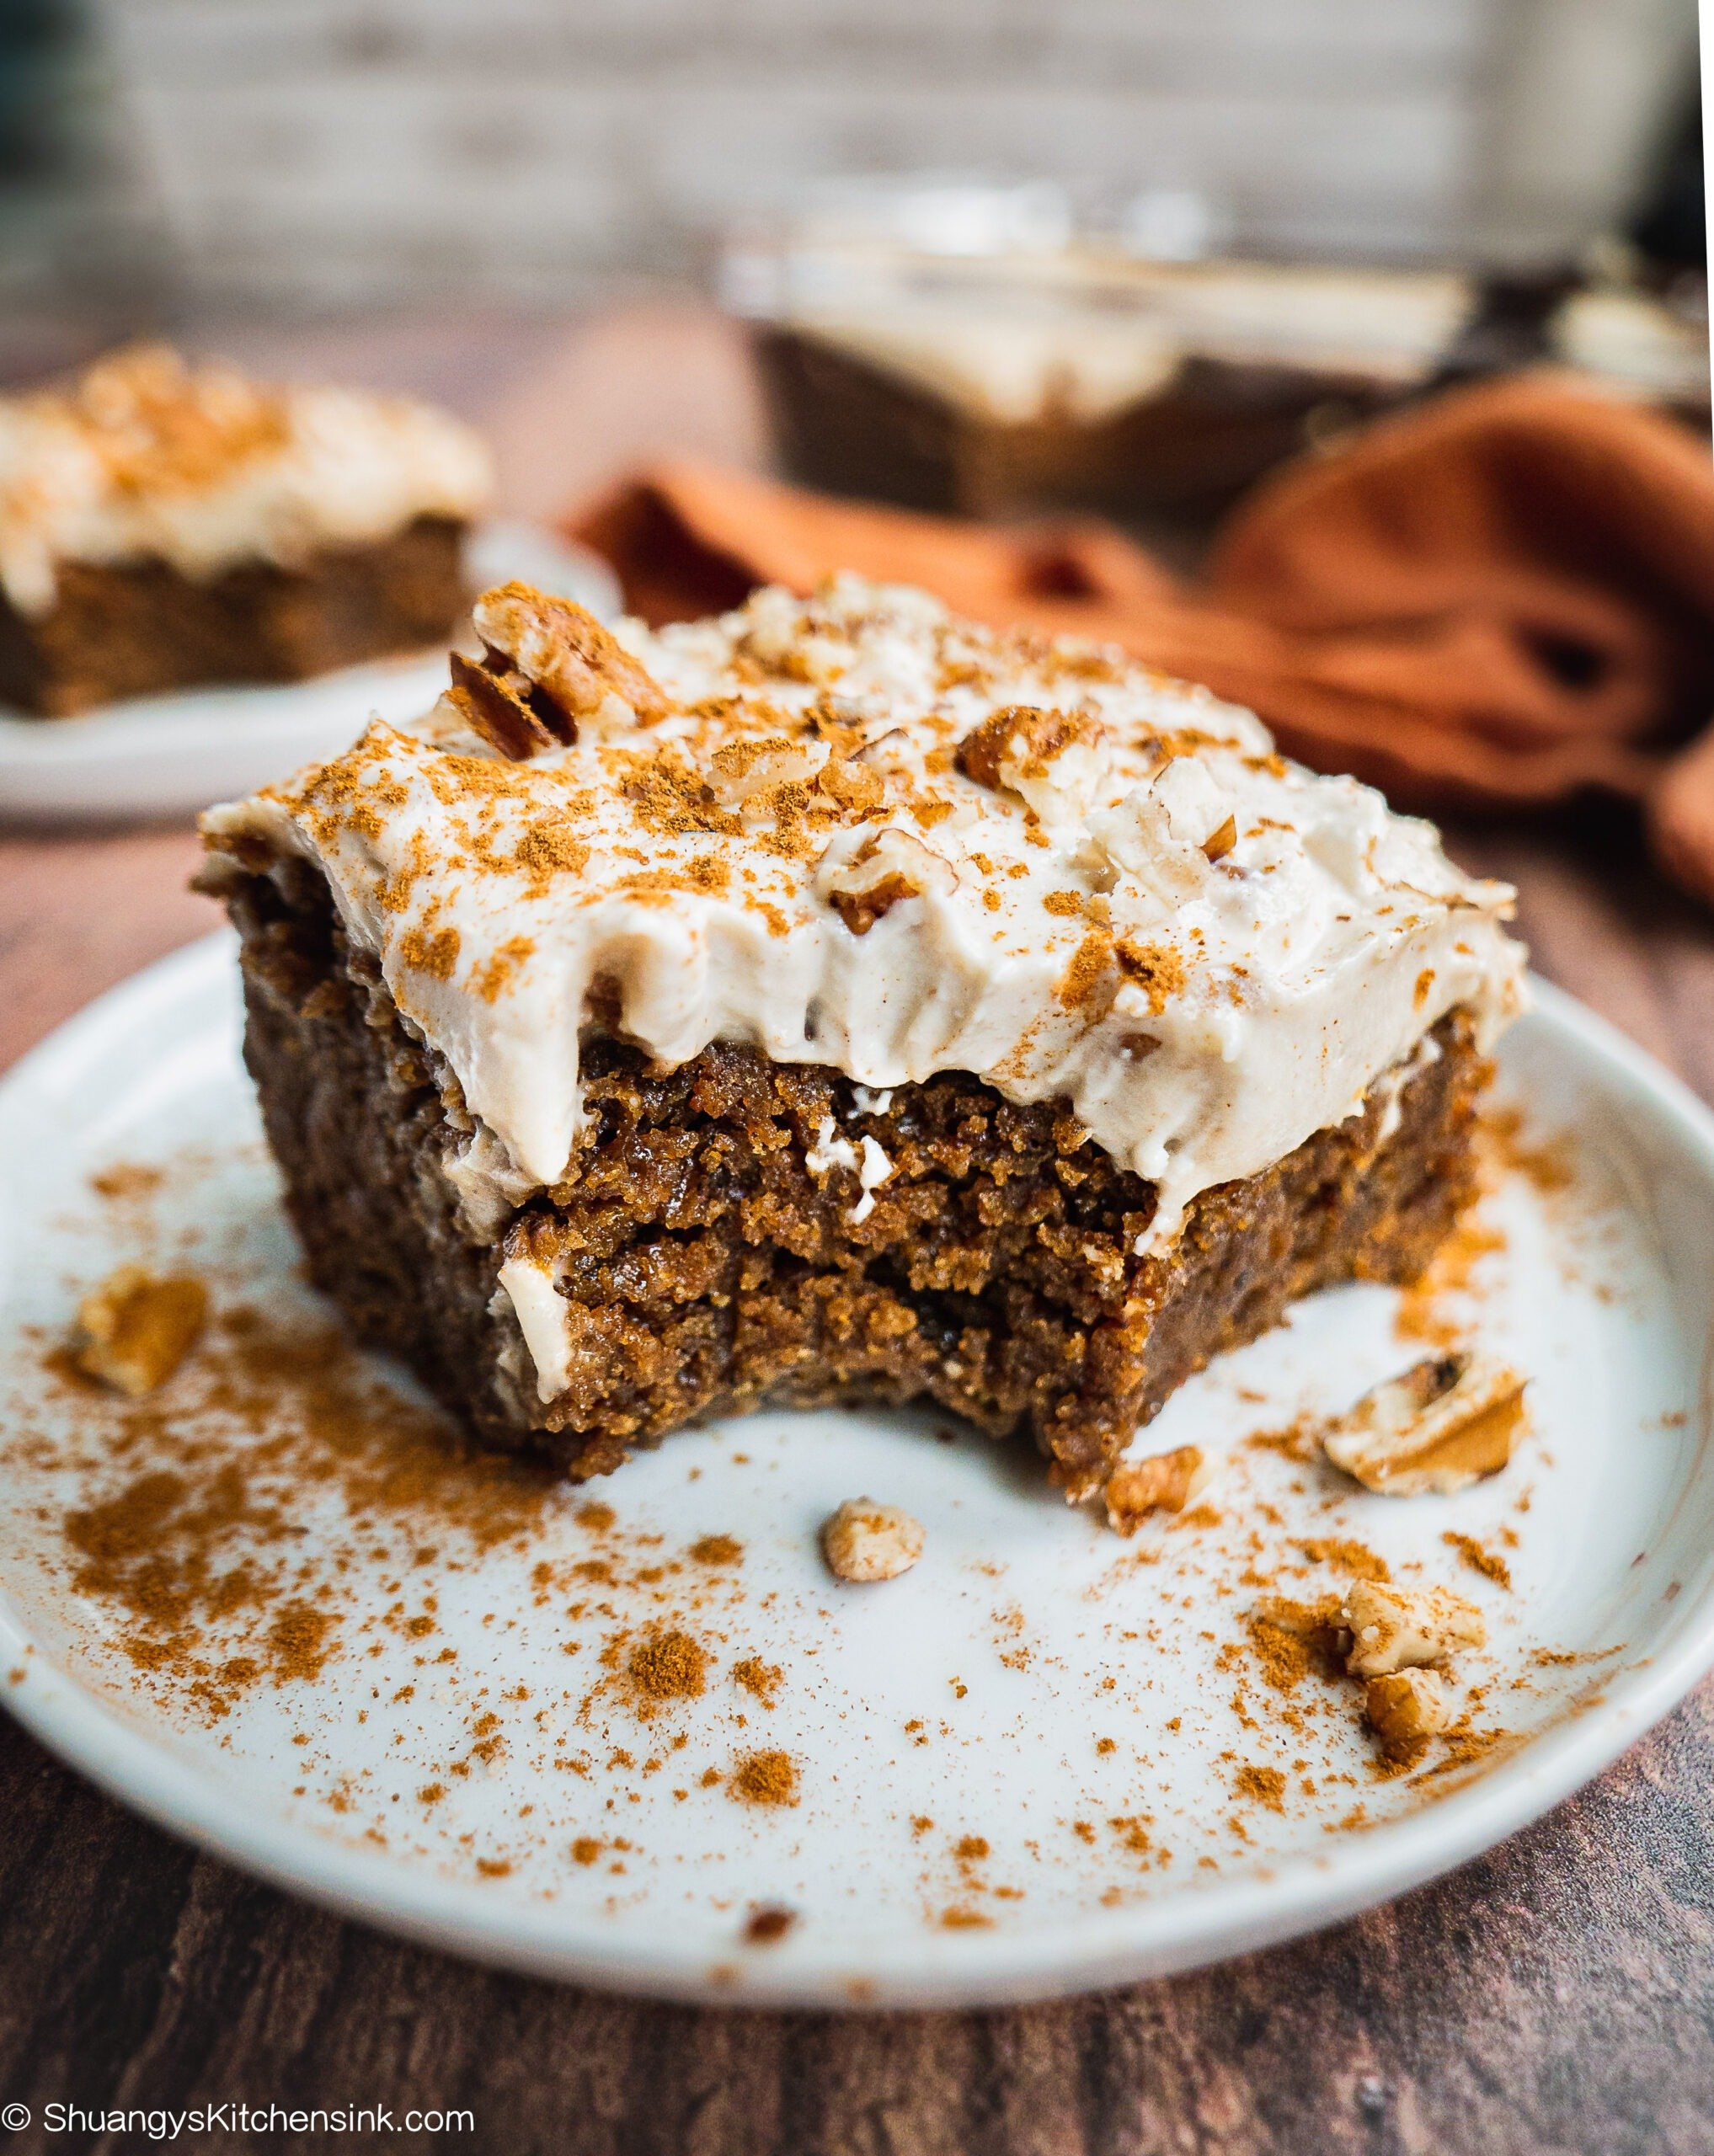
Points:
x=144 y=458
x=855 y=831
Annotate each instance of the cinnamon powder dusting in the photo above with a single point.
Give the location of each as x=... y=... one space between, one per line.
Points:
x=1264 y=1786
x=765 y=1777
x=717 y=1550
x=192 y=1533
x=667 y=1666
x=226 y=1528
x=1487 y=1562
x=761 y=1679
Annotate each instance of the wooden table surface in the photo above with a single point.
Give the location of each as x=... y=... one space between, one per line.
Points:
x=1556 y=1996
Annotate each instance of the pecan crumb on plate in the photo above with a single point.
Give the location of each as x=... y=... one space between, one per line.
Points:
x=1396 y=1628
x=1165 y=1483
x=864 y=1541
x=1405 y=1709
x=1446 y=1422
x=134 y=1328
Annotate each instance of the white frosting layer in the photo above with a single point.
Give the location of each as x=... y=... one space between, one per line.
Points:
x=1208 y=951
x=144 y=458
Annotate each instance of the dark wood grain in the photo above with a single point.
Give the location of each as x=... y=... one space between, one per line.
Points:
x=1557 y=1996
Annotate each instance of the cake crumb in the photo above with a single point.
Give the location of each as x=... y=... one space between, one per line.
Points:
x=864 y=1541
x=134 y=1328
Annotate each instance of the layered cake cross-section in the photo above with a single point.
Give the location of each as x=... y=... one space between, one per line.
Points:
x=165 y=526
x=838 y=1001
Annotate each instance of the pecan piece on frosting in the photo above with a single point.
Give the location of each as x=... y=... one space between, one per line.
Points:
x=562 y=647
x=509 y=711
x=547 y=663
x=1221 y=840
x=887 y=867
x=1021 y=741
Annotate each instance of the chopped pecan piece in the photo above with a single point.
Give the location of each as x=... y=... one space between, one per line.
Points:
x=864 y=1542
x=890 y=865
x=861 y=909
x=134 y=1328
x=1221 y=840
x=1021 y=741
x=1447 y=1423
x=1396 y=1628
x=509 y=711
x=1405 y=1710
x=743 y=770
x=855 y=787
x=561 y=648
x=1165 y=1483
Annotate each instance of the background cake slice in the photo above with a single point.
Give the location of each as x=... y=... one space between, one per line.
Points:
x=163 y=527
x=835 y=998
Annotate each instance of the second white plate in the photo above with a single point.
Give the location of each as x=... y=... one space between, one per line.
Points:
x=171 y=755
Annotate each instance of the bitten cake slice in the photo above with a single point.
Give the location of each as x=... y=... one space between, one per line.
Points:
x=164 y=525
x=836 y=999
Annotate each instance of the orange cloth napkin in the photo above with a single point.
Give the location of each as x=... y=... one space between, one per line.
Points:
x=1501 y=598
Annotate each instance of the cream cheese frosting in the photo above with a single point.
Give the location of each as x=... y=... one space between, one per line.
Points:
x=853 y=830
x=145 y=458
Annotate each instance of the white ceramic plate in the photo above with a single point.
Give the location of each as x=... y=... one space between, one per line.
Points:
x=1043 y=1760
x=171 y=755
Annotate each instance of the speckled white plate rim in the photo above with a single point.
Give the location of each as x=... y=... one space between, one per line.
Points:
x=1239 y=1913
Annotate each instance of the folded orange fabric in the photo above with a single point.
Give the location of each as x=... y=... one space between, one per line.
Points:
x=1502 y=598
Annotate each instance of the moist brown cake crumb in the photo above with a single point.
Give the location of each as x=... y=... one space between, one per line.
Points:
x=705 y=1269
x=138 y=628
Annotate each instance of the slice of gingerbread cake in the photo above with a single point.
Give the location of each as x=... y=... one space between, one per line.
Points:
x=166 y=526
x=837 y=1000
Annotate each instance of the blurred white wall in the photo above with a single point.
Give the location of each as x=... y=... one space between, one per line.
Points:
x=337 y=152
